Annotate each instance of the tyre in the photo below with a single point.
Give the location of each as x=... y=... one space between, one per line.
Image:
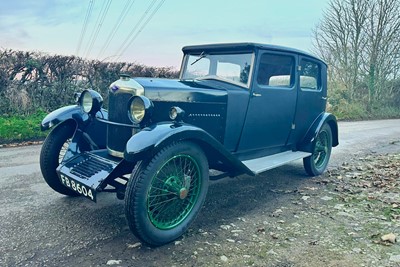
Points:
x=165 y=194
x=53 y=150
x=316 y=163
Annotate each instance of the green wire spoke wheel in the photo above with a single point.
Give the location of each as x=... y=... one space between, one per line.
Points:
x=174 y=190
x=317 y=163
x=165 y=194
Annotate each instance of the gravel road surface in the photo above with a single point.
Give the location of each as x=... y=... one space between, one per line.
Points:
x=39 y=227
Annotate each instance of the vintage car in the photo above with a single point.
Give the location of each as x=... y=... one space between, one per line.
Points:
x=239 y=108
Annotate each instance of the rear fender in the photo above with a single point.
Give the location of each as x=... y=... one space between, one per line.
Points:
x=307 y=141
x=148 y=141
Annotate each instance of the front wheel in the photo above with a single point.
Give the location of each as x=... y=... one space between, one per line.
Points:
x=165 y=194
x=51 y=155
x=316 y=163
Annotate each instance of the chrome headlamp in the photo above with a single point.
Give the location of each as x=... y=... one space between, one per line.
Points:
x=140 y=109
x=90 y=101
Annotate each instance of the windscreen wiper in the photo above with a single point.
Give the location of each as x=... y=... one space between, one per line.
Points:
x=202 y=55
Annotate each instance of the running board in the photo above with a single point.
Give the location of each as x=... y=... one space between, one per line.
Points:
x=259 y=165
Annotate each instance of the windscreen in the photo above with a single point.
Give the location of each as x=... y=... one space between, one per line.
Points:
x=234 y=68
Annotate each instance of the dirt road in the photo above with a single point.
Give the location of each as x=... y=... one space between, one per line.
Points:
x=280 y=218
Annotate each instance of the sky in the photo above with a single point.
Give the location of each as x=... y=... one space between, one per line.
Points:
x=155 y=37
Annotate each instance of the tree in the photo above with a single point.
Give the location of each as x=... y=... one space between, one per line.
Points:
x=360 y=41
x=383 y=31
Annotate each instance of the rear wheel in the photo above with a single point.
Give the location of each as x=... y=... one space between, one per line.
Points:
x=317 y=163
x=52 y=153
x=164 y=195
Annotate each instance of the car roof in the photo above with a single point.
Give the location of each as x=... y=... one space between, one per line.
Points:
x=241 y=47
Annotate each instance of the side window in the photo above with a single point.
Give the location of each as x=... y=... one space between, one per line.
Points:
x=276 y=70
x=310 y=75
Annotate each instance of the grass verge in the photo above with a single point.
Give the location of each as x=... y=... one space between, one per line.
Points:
x=21 y=128
x=359 y=111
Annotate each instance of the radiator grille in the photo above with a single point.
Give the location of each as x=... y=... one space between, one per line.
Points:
x=118 y=136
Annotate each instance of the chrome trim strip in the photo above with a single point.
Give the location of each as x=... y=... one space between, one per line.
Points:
x=124 y=90
x=135 y=126
x=115 y=153
x=127 y=86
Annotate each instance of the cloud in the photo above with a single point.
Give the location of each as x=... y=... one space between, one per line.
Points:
x=40 y=12
x=21 y=20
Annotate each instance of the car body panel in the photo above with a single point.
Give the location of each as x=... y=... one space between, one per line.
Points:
x=270 y=112
x=150 y=139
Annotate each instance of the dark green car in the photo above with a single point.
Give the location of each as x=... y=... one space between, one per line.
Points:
x=238 y=108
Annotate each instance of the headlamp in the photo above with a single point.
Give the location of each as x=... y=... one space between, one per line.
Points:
x=90 y=101
x=140 y=109
x=176 y=114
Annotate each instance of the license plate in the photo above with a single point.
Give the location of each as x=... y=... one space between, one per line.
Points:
x=78 y=187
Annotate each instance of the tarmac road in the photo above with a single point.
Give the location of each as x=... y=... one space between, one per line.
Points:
x=39 y=227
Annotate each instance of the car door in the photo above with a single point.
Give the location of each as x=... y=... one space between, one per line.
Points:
x=272 y=102
x=312 y=96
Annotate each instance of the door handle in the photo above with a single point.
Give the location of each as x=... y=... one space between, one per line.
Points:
x=256 y=94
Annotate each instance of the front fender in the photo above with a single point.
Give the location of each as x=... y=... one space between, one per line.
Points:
x=306 y=144
x=70 y=112
x=62 y=114
x=93 y=131
x=145 y=143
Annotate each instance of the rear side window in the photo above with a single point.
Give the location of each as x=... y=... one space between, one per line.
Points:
x=310 y=75
x=276 y=71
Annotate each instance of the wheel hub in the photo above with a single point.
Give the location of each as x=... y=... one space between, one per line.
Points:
x=183 y=193
x=172 y=184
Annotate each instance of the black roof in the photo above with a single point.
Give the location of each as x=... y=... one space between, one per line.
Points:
x=243 y=47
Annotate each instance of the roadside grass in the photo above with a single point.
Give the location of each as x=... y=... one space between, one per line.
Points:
x=19 y=128
x=359 y=111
